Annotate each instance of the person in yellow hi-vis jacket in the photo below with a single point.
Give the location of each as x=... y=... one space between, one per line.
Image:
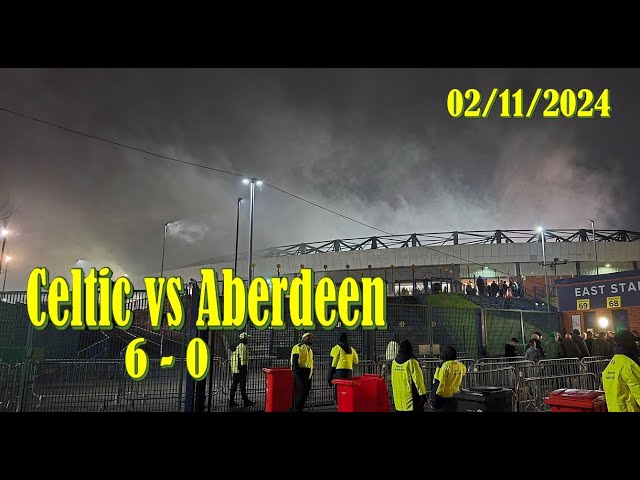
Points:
x=302 y=369
x=447 y=380
x=239 y=365
x=343 y=358
x=407 y=381
x=621 y=377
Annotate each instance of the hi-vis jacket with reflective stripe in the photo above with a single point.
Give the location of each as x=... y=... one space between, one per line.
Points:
x=343 y=360
x=406 y=379
x=240 y=356
x=450 y=377
x=621 y=384
x=305 y=356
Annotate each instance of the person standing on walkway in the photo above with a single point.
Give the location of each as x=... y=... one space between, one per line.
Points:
x=447 y=380
x=302 y=369
x=584 y=350
x=343 y=358
x=407 y=381
x=239 y=365
x=621 y=377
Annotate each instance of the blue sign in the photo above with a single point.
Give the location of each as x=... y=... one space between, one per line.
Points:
x=613 y=290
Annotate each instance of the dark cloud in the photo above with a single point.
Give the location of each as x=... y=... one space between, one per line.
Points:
x=377 y=145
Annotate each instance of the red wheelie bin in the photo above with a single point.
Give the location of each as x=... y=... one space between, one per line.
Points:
x=367 y=393
x=576 y=400
x=279 y=391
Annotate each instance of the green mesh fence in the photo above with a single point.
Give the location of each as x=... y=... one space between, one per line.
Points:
x=84 y=370
x=502 y=325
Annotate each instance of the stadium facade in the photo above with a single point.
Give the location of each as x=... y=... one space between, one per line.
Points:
x=451 y=259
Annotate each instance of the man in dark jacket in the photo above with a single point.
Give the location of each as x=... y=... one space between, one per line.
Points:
x=510 y=348
x=584 y=350
x=589 y=341
x=571 y=349
x=601 y=348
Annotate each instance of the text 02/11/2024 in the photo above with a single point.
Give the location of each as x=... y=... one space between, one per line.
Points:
x=568 y=103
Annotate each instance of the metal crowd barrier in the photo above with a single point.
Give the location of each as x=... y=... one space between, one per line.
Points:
x=595 y=365
x=73 y=385
x=500 y=359
x=532 y=391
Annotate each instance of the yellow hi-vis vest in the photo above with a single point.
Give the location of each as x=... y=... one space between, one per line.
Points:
x=621 y=384
x=240 y=356
x=305 y=356
x=403 y=375
x=450 y=377
x=342 y=359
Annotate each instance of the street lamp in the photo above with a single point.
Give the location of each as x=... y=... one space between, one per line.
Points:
x=235 y=264
x=595 y=248
x=5 y=233
x=544 y=262
x=413 y=278
x=393 y=284
x=253 y=182
x=6 y=269
x=164 y=241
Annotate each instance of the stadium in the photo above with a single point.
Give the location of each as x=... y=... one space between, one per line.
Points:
x=433 y=300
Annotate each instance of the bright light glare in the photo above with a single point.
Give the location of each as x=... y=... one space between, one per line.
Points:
x=246 y=181
x=7 y=258
x=608 y=265
x=603 y=322
x=540 y=229
x=259 y=183
x=5 y=231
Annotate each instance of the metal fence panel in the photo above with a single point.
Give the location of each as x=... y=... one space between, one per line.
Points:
x=532 y=391
x=560 y=366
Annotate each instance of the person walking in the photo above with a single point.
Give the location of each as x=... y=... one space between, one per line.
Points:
x=343 y=358
x=239 y=366
x=302 y=369
x=407 y=381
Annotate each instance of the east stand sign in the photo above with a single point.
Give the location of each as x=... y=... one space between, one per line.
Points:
x=613 y=290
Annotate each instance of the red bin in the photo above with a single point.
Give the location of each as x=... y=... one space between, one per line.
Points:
x=361 y=394
x=279 y=389
x=382 y=395
x=576 y=400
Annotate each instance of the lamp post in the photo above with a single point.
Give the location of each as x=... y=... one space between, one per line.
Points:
x=252 y=182
x=413 y=278
x=278 y=266
x=544 y=261
x=595 y=248
x=164 y=241
x=393 y=284
x=6 y=269
x=4 y=232
x=235 y=263
x=325 y=270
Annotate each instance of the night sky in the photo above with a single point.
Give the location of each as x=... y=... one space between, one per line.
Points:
x=376 y=145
